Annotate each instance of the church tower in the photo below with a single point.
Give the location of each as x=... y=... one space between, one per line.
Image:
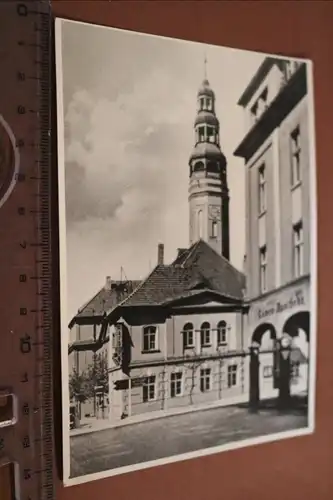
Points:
x=208 y=189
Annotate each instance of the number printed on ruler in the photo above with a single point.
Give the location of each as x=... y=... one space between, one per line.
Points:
x=26 y=36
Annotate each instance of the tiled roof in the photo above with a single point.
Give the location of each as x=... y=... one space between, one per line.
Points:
x=105 y=300
x=163 y=283
x=217 y=270
x=199 y=267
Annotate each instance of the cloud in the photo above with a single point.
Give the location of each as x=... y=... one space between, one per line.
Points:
x=125 y=170
x=122 y=152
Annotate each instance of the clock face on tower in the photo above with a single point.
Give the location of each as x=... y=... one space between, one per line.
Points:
x=214 y=212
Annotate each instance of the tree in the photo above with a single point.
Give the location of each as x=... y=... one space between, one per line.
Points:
x=97 y=374
x=78 y=386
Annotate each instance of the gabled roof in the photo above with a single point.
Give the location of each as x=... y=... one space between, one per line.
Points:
x=104 y=300
x=199 y=267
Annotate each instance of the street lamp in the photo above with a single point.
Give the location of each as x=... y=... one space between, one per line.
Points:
x=254 y=395
x=284 y=371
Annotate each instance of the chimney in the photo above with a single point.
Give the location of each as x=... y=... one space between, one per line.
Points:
x=160 y=254
x=108 y=283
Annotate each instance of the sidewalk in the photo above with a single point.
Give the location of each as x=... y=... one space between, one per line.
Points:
x=92 y=424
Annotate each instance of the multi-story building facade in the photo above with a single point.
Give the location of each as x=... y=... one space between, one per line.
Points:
x=177 y=338
x=276 y=154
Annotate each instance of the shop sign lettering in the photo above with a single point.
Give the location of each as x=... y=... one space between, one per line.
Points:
x=296 y=300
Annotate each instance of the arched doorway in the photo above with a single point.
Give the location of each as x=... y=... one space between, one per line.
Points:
x=296 y=322
x=262 y=364
x=297 y=327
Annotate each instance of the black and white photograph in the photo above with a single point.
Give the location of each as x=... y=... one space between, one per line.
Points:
x=187 y=233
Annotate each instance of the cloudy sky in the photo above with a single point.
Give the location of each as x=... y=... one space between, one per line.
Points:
x=129 y=106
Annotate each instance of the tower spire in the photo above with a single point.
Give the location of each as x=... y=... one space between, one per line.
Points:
x=205 y=65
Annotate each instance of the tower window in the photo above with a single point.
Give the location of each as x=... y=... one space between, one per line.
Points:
x=263 y=268
x=199 y=166
x=200 y=224
x=201 y=134
x=298 y=249
x=201 y=103
x=213 y=167
x=209 y=104
x=214 y=229
x=211 y=134
x=295 y=147
x=262 y=190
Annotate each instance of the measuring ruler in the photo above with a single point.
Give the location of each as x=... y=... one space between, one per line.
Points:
x=26 y=416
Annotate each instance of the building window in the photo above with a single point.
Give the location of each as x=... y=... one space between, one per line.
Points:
x=117 y=336
x=188 y=335
x=268 y=371
x=298 y=249
x=149 y=389
x=262 y=101
x=232 y=375
x=295 y=142
x=209 y=104
x=295 y=370
x=263 y=268
x=200 y=224
x=213 y=229
x=254 y=112
x=205 y=334
x=149 y=338
x=222 y=332
x=262 y=190
x=205 y=379
x=176 y=384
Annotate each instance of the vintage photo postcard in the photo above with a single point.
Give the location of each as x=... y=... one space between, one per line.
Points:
x=187 y=206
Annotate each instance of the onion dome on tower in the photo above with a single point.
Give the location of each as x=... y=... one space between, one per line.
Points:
x=207 y=129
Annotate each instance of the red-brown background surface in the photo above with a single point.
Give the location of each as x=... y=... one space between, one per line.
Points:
x=300 y=468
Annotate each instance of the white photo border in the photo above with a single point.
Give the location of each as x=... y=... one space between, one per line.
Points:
x=67 y=480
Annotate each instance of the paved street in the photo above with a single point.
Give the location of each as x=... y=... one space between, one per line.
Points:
x=113 y=448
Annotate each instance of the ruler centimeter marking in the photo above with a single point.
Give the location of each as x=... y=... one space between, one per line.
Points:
x=26 y=256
